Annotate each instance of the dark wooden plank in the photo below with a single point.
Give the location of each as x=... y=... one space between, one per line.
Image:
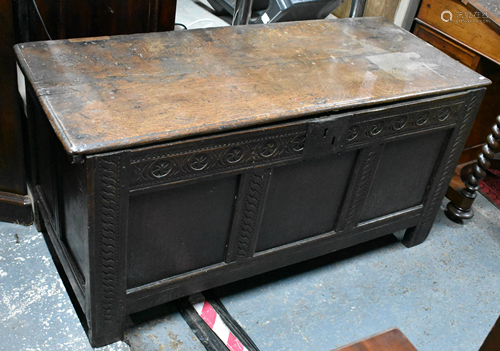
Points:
x=15 y=206
x=393 y=340
x=170 y=90
x=11 y=150
x=69 y=19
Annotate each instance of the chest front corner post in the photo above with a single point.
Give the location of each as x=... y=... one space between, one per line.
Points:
x=108 y=209
x=449 y=159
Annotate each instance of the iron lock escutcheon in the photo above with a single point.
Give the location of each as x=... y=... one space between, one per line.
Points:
x=326 y=135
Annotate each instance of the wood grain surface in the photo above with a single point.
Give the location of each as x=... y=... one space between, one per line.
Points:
x=465 y=24
x=393 y=340
x=140 y=89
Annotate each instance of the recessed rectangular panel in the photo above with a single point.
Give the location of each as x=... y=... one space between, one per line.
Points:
x=304 y=199
x=403 y=173
x=180 y=229
x=74 y=212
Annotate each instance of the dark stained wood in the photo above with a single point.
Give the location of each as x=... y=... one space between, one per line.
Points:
x=170 y=163
x=12 y=160
x=493 y=339
x=69 y=19
x=174 y=85
x=462 y=209
x=393 y=340
x=15 y=205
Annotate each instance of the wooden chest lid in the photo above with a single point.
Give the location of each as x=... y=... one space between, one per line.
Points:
x=123 y=91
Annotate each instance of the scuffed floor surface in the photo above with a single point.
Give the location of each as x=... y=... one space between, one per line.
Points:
x=443 y=294
x=35 y=310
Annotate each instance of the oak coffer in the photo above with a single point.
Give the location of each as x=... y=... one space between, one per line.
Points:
x=165 y=164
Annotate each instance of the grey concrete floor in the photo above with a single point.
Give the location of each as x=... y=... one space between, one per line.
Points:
x=443 y=294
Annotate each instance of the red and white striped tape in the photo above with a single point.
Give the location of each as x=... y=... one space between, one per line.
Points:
x=215 y=322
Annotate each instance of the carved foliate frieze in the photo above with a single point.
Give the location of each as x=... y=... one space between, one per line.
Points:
x=184 y=164
x=408 y=121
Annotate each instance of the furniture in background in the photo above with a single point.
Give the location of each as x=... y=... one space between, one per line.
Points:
x=401 y=12
x=15 y=204
x=21 y=22
x=273 y=11
x=468 y=31
x=390 y=340
x=62 y=19
x=395 y=340
x=187 y=160
x=461 y=208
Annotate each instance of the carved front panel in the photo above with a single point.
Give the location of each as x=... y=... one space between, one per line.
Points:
x=179 y=229
x=252 y=193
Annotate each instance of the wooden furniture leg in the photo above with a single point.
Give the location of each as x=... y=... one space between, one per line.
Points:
x=460 y=207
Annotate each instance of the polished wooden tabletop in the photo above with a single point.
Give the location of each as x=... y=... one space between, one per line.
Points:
x=111 y=93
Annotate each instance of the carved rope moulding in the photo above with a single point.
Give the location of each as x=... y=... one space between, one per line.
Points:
x=167 y=167
x=407 y=121
x=254 y=191
x=109 y=210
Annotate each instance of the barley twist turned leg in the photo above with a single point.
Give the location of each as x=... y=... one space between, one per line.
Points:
x=464 y=210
